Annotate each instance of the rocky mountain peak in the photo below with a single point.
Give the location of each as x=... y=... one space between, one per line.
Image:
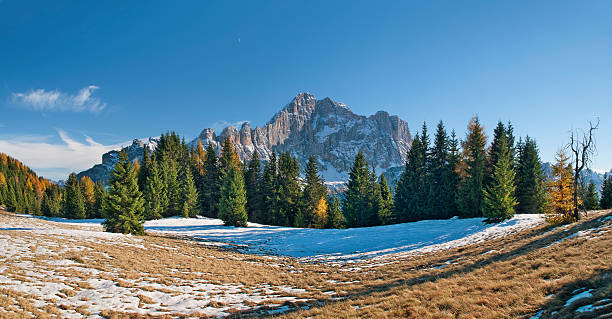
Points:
x=327 y=129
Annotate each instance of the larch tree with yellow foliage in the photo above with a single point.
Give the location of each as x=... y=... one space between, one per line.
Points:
x=560 y=190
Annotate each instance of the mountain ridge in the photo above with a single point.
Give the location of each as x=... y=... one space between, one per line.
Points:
x=305 y=126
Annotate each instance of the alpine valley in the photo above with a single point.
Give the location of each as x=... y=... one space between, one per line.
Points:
x=327 y=129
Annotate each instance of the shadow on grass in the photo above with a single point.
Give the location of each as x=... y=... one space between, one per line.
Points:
x=549 y=238
x=587 y=298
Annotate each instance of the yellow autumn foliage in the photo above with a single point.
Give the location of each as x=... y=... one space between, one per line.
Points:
x=560 y=189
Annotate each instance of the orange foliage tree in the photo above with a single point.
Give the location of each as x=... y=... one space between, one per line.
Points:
x=561 y=189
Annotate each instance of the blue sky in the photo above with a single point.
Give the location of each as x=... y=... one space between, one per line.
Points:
x=80 y=77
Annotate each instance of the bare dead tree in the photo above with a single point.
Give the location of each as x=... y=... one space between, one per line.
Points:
x=582 y=145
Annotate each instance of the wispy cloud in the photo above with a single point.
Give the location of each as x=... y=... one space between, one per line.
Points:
x=43 y=100
x=56 y=160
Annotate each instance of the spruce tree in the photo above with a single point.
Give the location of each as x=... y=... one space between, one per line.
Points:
x=232 y=204
x=143 y=173
x=453 y=179
x=335 y=219
x=530 y=191
x=252 y=179
x=494 y=152
x=312 y=197
x=499 y=200
x=124 y=206
x=74 y=203
x=408 y=201
x=269 y=191
x=355 y=201
x=229 y=158
x=440 y=194
x=605 y=202
x=189 y=194
x=100 y=196
x=51 y=203
x=288 y=190
x=473 y=165
x=211 y=184
x=591 y=199
x=385 y=203
x=154 y=193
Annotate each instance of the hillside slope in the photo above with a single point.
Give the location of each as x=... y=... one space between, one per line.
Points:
x=73 y=269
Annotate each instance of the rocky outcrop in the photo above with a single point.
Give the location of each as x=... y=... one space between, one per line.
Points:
x=135 y=151
x=327 y=129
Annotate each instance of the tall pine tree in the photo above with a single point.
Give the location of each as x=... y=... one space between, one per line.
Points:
x=499 y=200
x=252 y=179
x=355 y=204
x=313 y=197
x=473 y=171
x=211 y=183
x=530 y=190
x=605 y=202
x=232 y=202
x=124 y=206
x=408 y=201
x=74 y=203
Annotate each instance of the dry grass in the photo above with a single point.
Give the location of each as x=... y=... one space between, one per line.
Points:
x=501 y=278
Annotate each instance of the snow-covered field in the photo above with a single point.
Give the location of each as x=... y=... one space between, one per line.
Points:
x=338 y=244
x=346 y=244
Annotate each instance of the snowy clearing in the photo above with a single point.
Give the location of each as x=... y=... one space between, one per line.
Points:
x=346 y=244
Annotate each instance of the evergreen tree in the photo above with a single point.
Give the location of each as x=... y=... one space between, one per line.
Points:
x=335 y=219
x=441 y=196
x=74 y=203
x=99 y=196
x=269 y=192
x=385 y=203
x=211 y=184
x=51 y=201
x=252 y=179
x=190 y=194
x=313 y=197
x=591 y=199
x=289 y=190
x=605 y=202
x=229 y=158
x=154 y=193
x=232 y=204
x=499 y=200
x=560 y=189
x=530 y=191
x=494 y=152
x=143 y=173
x=453 y=179
x=473 y=171
x=408 y=200
x=355 y=204
x=124 y=207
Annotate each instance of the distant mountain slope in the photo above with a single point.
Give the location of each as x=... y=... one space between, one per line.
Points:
x=306 y=126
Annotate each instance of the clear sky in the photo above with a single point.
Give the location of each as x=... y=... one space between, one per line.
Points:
x=80 y=77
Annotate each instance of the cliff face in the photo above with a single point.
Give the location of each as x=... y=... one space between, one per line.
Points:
x=306 y=126
x=326 y=129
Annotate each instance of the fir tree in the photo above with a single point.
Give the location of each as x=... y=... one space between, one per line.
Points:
x=288 y=190
x=190 y=194
x=232 y=204
x=385 y=203
x=313 y=197
x=453 y=179
x=143 y=173
x=408 y=201
x=74 y=204
x=124 y=206
x=473 y=171
x=252 y=179
x=605 y=202
x=229 y=158
x=499 y=200
x=530 y=191
x=269 y=192
x=211 y=184
x=154 y=193
x=335 y=219
x=355 y=203
x=440 y=195
x=51 y=201
x=591 y=199
x=99 y=196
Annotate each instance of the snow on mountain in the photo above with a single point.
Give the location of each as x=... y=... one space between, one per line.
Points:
x=304 y=127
